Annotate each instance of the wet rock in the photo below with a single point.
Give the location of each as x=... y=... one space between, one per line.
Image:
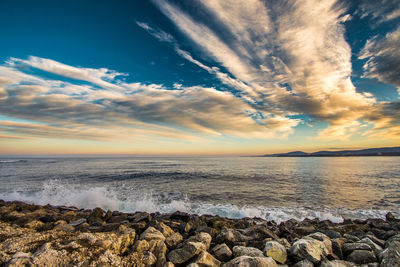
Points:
x=391 y=255
x=375 y=247
x=309 y=249
x=390 y=217
x=186 y=252
x=152 y=233
x=169 y=264
x=332 y=234
x=178 y=215
x=232 y=237
x=64 y=227
x=327 y=243
x=337 y=263
x=246 y=251
x=361 y=256
x=337 y=244
x=140 y=217
x=351 y=238
x=205 y=259
x=276 y=251
x=118 y=219
x=251 y=261
x=222 y=252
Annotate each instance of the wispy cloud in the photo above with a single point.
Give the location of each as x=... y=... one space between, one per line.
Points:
x=288 y=57
x=115 y=108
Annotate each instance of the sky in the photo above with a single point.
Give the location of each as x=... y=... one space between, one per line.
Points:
x=201 y=77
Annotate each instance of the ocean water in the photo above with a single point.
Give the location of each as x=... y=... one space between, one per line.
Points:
x=270 y=188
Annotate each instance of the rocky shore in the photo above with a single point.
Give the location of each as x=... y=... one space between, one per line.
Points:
x=32 y=235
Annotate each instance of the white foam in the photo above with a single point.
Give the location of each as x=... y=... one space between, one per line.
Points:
x=56 y=193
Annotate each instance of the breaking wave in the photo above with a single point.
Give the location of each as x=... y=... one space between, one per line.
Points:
x=56 y=193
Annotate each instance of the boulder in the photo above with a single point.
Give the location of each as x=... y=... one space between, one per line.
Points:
x=152 y=233
x=186 y=252
x=159 y=249
x=391 y=255
x=205 y=259
x=361 y=256
x=204 y=238
x=309 y=249
x=276 y=251
x=246 y=251
x=327 y=243
x=149 y=259
x=244 y=261
x=222 y=252
x=141 y=246
x=173 y=240
x=347 y=248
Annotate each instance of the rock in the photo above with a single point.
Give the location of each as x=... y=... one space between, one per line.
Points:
x=246 y=251
x=64 y=227
x=309 y=249
x=141 y=246
x=327 y=247
x=337 y=244
x=159 y=249
x=149 y=259
x=244 y=261
x=152 y=233
x=222 y=252
x=186 y=252
x=232 y=237
x=332 y=234
x=351 y=238
x=375 y=247
x=391 y=255
x=361 y=256
x=337 y=263
x=178 y=215
x=173 y=240
x=96 y=216
x=204 y=238
x=77 y=222
x=35 y=224
x=192 y=265
x=118 y=219
x=347 y=248
x=205 y=259
x=165 y=229
x=376 y=240
x=390 y=217
x=276 y=251
x=169 y=264
x=303 y=263
x=47 y=256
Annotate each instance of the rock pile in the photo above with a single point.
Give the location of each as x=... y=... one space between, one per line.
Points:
x=32 y=235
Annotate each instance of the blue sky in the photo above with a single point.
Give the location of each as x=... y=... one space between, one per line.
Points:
x=198 y=77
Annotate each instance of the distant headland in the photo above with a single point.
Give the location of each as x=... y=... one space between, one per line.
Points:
x=384 y=151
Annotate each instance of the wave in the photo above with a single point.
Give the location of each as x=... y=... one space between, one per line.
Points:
x=55 y=192
x=12 y=160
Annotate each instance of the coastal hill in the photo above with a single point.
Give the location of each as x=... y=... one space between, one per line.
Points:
x=384 y=151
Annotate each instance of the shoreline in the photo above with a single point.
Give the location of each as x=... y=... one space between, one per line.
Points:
x=64 y=236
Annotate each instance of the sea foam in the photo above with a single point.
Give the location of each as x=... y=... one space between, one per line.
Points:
x=55 y=192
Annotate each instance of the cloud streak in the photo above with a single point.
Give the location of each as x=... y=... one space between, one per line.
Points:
x=106 y=111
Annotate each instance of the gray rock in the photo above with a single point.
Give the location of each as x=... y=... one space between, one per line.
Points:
x=309 y=249
x=375 y=247
x=391 y=255
x=246 y=261
x=351 y=238
x=77 y=222
x=222 y=252
x=186 y=252
x=276 y=251
x=376 y=240
x=347 y=248
x=205 y=259
x=337 y=263
x=246 y=251
x=361 y=256
x=327 y=248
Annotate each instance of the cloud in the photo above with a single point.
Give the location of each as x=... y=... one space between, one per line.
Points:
x=383 y=58
x=284 y=57
x=157 y=33
x=379 y=11
x=58 y=108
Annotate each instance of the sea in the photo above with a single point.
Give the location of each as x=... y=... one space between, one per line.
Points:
x=272 y=188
